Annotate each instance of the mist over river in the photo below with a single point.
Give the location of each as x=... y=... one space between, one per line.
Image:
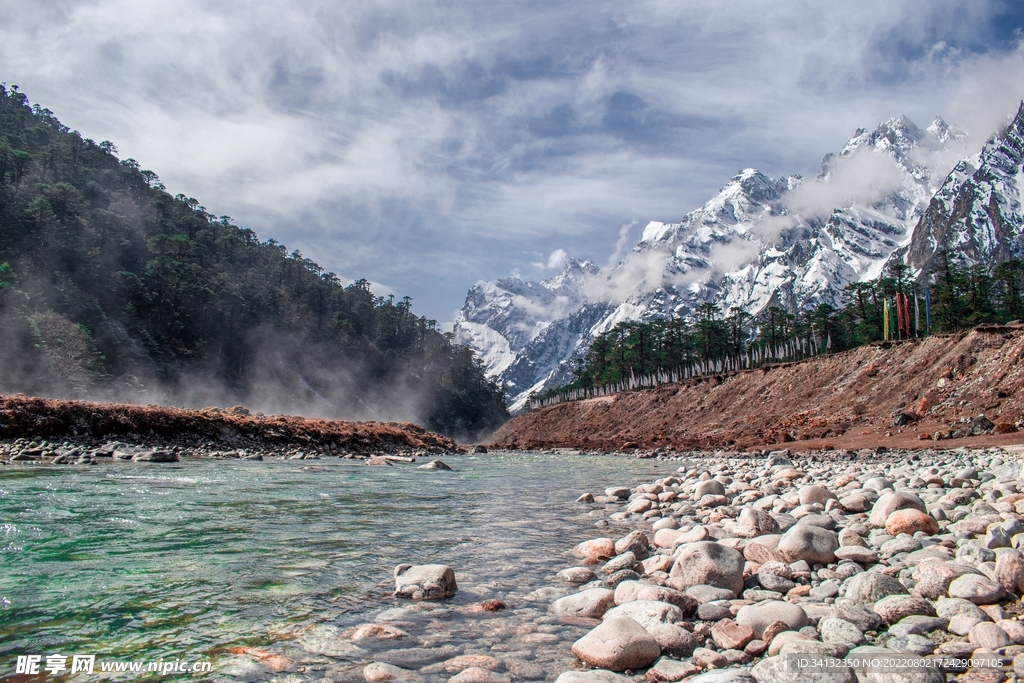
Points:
x=196 y=560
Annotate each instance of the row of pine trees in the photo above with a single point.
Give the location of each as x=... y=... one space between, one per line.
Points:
x=954 y=295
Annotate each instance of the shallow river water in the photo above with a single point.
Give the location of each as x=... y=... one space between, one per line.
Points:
x=200 y=560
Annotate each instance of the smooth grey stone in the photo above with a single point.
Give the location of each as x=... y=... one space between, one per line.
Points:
x=913 y=643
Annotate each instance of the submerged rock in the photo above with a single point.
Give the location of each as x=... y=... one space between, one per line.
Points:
x=425 y=582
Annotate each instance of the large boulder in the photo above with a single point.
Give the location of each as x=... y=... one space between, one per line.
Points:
x=425 y=581
x=810 y=543
x=889 y=503
x=628 y=591
x=707 y=563
x=647 y=612
x=870 y=587
x=758 y=617
x=591 y=603
x=617 y=644
x=155 y=456
x=909 y=521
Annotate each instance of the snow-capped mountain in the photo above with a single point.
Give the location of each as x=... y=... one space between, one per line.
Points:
x=789 y=242
x=977 y=211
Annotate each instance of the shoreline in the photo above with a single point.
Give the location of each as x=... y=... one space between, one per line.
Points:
x=733 y=564
x=92 y=428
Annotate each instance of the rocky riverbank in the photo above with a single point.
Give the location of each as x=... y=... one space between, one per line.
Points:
x=736 y=567
x=965 y=387
x=45 y=430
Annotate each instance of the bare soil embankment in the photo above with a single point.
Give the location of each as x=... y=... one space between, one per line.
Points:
x=844 y=400
x=26 y=417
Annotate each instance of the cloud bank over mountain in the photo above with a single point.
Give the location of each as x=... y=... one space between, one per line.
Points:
x=428 y=145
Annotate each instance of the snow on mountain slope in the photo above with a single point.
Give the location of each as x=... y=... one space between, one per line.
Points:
x=977 y=211
x=760 y=241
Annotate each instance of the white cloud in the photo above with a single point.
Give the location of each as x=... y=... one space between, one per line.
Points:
x=556 y=260
x=427 y=145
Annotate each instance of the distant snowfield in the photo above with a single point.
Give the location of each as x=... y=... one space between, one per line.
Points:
x=760 y=241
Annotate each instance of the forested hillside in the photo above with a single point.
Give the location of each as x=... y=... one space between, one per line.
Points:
x=953 y=295
x=113 y=288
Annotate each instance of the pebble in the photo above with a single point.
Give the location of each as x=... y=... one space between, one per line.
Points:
x=810 y=553
x=617 y=644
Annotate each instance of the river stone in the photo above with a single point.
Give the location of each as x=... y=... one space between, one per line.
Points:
x=856 y=502
x=900 y=544
x=646 y=612
x=814 y=647
x=379 y=672
x=826 y=589
x=436 y=465
x=812 y=544
x=707 y=563
x=752 y=522
x=856 y=553
x=425 y=581
x=780 y=670
x=675 y=641
x=1010 y=571
x=591 y=603
x=834 y=630
x=757 y=617
x=870 y=587
x=711 y=487
x=989 y=636
x=913 y=643
x=155 y=456
x=628 y=591
x=918 y=625
x=592 y=676
x=812 y=493
x=714 y=611
x=893 y=608
x=787 y=637
x=909 y=521
x=1014 y=629
x=626 y=560
x=823 y=521
x=615 y=578
x=889 y=503
x=577 y=575
x=857 y=614
x=773 y=582
x=617 y=644
x=980 y=590
x=417 y=657
x=947 y=608
x=477 y=674
x=665 y=538
x=932 y=579
x=703 y=593
x=670 y=670
x=729 y=635
x=635 y=542
x=596 y=548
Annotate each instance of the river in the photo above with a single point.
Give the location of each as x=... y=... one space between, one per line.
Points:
x=196 y=561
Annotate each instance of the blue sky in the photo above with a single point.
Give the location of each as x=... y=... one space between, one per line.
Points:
x=427 y=145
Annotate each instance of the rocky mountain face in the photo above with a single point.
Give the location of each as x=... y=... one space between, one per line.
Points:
x=791 y=242
x=977 y=211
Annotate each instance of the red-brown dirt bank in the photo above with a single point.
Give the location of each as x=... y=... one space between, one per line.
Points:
x=28 y=417
x=844 y=400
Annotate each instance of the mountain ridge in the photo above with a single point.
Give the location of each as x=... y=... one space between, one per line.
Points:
x=758 y=242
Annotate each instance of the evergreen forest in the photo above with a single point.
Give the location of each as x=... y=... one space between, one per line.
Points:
x=954 y=295
x=112 y=288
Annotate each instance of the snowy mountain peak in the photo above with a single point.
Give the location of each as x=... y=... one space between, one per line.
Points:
x=789 y=242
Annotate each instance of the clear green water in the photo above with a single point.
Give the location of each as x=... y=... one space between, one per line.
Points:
x=141 y=561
